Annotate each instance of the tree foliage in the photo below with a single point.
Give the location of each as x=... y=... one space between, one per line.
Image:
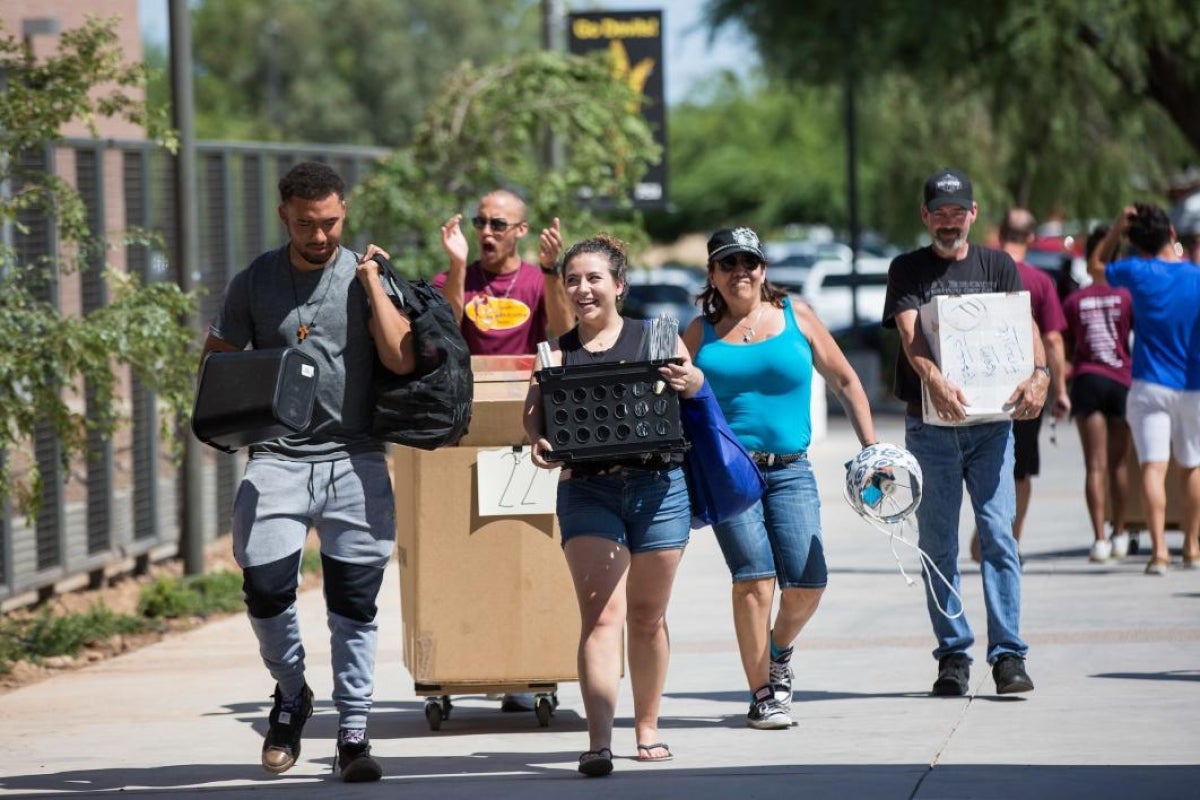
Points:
x=1053 y=104
x=487 y=129
x=355 y=72
x=48 y=356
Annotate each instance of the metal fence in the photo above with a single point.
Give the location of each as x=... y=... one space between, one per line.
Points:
x=119 y=509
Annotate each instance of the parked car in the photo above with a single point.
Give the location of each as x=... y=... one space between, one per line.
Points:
x=691 y=278
x=827 y=288
x=650 y=300
x=1062 y=258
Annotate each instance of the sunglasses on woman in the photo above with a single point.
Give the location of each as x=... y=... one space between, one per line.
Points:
x=746 y=262
x=497 y=225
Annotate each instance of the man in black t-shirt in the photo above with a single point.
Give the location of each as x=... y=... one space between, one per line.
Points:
x=979 y=454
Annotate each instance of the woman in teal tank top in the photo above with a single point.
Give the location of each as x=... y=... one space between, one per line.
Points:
x=758 y=350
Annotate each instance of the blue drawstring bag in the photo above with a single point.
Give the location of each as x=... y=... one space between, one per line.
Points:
x=722 y=478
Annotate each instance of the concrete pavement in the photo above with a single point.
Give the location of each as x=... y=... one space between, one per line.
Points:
x=1116 y=713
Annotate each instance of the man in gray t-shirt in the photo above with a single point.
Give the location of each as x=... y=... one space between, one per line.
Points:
x=317 y=296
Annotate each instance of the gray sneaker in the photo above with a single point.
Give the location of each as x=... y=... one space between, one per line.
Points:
x=766 y=713
x=781 y=680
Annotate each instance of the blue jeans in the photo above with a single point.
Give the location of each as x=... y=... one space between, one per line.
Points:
x=780 y=535
x=982 y=456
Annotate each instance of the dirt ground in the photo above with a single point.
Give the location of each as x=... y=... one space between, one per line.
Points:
x=120 y=594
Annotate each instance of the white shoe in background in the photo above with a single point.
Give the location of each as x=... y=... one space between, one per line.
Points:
x=1102 y=550
x=1120 y=545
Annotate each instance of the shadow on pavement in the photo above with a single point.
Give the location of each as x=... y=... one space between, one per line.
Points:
x=552 y=775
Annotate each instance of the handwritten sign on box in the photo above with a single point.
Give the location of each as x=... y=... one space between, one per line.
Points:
x=510 y=485
x=982 y=343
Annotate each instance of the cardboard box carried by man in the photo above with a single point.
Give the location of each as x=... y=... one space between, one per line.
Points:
x=982 y=343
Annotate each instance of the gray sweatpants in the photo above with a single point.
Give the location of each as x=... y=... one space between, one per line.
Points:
x=349 y=502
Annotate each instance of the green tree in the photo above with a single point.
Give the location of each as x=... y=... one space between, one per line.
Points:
x=758 y=155
x=352 y=72
x=48 y=356
x=487 y=129
x=1057 y=104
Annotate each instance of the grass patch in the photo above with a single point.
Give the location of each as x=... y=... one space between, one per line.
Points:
x=47 y=633
x=195 y=595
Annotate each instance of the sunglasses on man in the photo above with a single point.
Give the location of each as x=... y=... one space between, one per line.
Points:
x=739 y=261
x=497 y=225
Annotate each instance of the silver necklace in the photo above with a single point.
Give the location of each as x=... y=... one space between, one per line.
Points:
x=749 y=332
x=487 y=283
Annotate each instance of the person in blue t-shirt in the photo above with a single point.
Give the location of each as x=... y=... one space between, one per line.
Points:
x=1163 y=407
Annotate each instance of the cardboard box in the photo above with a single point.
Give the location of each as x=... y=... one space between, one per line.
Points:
x=486 y=602
x=500 y=386
x=982 y=343
x=1135 y=516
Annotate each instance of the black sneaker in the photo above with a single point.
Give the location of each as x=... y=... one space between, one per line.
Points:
x=355 y=764
x=1011 y=677
x=954 y=676
x=766 y=713
x=281 y=747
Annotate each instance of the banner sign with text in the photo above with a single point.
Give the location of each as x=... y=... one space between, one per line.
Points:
x=634 y=42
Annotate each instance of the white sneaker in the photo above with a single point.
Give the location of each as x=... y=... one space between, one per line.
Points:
x=1102 y=551
x=1120 y=545
x=768 y=715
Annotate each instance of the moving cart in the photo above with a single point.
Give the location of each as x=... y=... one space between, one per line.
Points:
x=486 y=597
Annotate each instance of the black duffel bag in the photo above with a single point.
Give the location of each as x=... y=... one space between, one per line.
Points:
x=430 y=407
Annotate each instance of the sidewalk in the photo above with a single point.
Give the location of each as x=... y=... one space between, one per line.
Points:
x=1115 y=656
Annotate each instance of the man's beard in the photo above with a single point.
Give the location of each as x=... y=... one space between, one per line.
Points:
x=943 y=243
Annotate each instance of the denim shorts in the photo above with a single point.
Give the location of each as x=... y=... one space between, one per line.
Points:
x=780 y=535
x=639 y=509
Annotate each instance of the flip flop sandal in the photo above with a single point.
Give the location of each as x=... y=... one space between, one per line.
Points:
x=644 y=751
x=596 y=763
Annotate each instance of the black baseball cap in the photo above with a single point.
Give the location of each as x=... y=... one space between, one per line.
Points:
x=728 y=241
x=948 y=187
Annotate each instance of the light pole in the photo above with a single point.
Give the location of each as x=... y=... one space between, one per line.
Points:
x=187 y=256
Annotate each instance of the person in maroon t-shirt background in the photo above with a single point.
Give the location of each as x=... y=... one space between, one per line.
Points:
x=1099 y=324
x=504 y=305
x=1017 y=232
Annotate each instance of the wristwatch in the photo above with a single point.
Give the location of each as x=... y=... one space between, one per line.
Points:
x=549 y=270
x=1043 y=368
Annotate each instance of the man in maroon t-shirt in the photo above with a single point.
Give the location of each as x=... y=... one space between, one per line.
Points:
x=1017 y=231
x=504 y=305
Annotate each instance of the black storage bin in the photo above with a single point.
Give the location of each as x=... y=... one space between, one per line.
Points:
x=603 y=411
x=252 y=396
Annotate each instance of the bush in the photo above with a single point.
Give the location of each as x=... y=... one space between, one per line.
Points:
x=46 y=634
x=197 y=595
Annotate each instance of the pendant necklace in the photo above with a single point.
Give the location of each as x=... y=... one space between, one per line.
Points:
x=600 y=351
x=487 y=283
x=749 y=329
x=485 y=314
x=303 y=329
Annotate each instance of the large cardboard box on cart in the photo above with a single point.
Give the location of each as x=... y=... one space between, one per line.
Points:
x=487 y=601
x=1135 y=515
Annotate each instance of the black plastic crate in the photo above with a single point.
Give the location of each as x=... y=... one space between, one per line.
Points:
x=602 y=411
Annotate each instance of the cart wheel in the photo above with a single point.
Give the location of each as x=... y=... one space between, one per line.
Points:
x=446 y=706
x=544 y=710
x=433 y=713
